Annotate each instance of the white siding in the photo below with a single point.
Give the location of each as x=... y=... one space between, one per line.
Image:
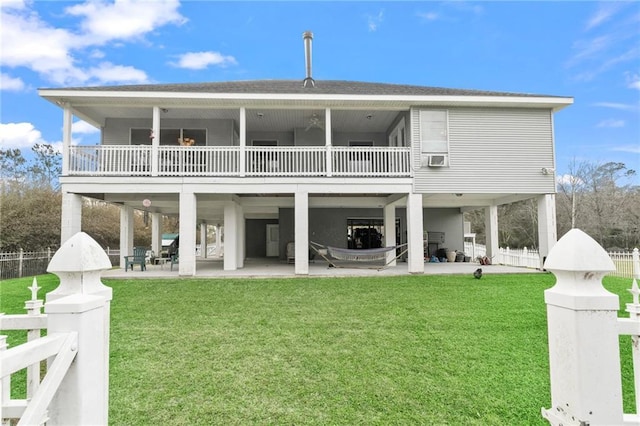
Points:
x=490 y=151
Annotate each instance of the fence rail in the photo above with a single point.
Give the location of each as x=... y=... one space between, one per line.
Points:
x=30 y=263
x=529 y=258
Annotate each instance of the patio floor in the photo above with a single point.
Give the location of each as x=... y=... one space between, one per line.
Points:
x=270 y=268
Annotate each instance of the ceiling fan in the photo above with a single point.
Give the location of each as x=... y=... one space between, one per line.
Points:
x=315 y=122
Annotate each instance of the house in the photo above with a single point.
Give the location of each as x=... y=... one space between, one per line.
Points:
x=281 y=161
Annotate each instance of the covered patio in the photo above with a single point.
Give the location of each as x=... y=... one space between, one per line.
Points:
x=274 y=268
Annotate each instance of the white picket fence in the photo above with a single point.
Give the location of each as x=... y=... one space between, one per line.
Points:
x=75 y=389
x=528 y=258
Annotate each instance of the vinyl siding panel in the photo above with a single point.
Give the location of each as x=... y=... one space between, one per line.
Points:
x=490 y=151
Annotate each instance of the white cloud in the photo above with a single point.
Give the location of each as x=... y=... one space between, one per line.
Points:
x=124 y=19
x=568 y=179
x=633 y=149
x=107 y=71
x=12 y=4
x=19 y=135
x=10 y=83
x=604 y=13
x=201 y=60
x=618 y=106
x=429 y=16
x=633 y=81
x=28 y=41
x=611 y=123
x=82 y=127
x=374 y=21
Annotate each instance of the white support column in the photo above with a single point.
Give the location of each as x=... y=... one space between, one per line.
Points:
x=187 y=248
x=390 y=231
x=328 y=141
x=219 y=231
x=415 y=255
x=230 y=236
x=155 y=141
x=156 y=233
x=301 y=235
x=491 y=231
x=243 y=141
x=240 y=237
x=203 y=240
x=547 y=234
x=71 y=216
x=583 y=327
x=67 y=122
x=126 y=233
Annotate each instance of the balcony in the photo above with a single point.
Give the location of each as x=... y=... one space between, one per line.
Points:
x=221 y=161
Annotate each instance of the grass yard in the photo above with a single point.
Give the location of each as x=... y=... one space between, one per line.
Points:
x=433 y=350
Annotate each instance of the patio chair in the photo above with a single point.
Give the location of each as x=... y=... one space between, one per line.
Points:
x=175 y=258
x=139 y=257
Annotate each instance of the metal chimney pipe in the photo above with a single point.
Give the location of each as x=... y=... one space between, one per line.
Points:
x=307 y=36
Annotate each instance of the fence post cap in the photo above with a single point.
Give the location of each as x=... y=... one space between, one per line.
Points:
x=577 y=251
x=80 y=253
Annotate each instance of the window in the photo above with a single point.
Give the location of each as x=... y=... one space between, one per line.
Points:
x=434 y=132
x=264 y=143
x=168 y=136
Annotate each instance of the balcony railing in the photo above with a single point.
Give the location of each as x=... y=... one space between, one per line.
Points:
x=127 y=160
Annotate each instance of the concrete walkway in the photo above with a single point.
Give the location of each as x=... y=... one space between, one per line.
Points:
x=271 y=268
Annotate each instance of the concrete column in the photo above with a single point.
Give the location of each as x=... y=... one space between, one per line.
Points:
x=219 y=231
x=67 y=122
x=187 y=248
x=126 y=233
x=415 y=227
x=203 y=240
x=240 y=237
x=230 y=237
x=390 y=231
x=156 y=233
x=583 y=326
x=491 y=231
x=547 y=233
x=71 y=216
x=301 y=233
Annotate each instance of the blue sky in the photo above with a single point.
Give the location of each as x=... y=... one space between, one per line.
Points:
x=587 y=50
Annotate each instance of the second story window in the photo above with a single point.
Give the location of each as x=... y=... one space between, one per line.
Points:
x=169 y=136
x=434 y=132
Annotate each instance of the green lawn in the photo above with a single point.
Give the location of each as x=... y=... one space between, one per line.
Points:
x=436 y=350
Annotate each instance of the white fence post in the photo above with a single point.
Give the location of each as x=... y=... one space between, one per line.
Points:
x=81 y=304
x=584 y=355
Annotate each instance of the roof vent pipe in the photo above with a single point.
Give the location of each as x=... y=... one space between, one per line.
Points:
x=307 y=36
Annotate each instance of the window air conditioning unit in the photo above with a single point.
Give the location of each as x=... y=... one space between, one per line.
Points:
x=437 y=161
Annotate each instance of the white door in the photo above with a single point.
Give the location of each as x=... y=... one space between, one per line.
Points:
x=273 y=240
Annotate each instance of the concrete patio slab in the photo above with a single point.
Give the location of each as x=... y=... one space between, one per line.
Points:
x=272 y=268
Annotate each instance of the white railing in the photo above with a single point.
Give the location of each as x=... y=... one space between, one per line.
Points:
x=110 y=160
x=371 y=161
x=128 y=160
x=199 y=161
x=285 y=161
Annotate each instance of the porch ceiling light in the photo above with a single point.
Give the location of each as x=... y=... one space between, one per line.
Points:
x=369 y=116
